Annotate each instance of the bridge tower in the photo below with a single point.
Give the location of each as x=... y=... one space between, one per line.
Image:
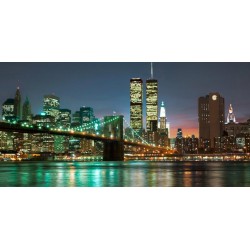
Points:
x=113 y=150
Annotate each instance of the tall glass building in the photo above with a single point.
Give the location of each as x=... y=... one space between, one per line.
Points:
x=136 y=99
x=151 y=105
x=51 y=106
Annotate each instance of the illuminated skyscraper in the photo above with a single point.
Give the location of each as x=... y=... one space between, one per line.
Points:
x=151 y=103
x=136 y=99
x=231 y=117
x=51 y=106
x=163 y=118
x=86 y=115
x=18 y=105
x=27 y=110
x=65 y=118
x=163 y=131
x=211 y=112
x=8 y=109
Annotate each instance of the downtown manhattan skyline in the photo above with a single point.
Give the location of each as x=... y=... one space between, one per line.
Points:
x=105 y=87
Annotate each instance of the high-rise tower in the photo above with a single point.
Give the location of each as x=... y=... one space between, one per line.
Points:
x=17 y=105
x=51 y=106
x=151 y=103
x=231 y=116
x=136 y=99
x=8 y=109
x=163 y=118
x=27 y=110
x=211 y=112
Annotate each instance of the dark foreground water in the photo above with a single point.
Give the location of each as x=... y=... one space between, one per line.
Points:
x=125 y=174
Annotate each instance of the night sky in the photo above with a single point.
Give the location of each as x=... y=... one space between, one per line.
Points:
x=105 y=87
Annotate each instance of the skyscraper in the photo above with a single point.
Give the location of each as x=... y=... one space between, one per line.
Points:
x=8 y=109
x=27 y=110
x=151 y=103
x=163 y=131
x=17 y=105
x=163 y=118
x=86 y=115
x=211 y=112
x=51 y=106
x=65 y=118
x=231 y=116
x=136 y=99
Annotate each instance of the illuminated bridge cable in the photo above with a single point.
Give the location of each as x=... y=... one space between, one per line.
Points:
x=136 y=133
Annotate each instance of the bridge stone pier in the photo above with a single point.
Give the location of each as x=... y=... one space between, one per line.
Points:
x=113 y=150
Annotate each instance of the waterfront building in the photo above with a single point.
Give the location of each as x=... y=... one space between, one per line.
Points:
x=61 y=144
x=27 y=115
x=211 y=113
x=6 y=141
x=136 y=105
x=8 y=109
x=190 y=145
x=51 y=106
x=187 y=145
x=43 y=142
x=18 y=105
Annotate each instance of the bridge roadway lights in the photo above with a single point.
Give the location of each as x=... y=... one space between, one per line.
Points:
x=113 y=151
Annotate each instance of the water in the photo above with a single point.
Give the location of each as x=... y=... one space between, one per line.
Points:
x=125 y=174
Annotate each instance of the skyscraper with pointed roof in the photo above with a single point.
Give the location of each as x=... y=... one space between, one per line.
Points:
x=231 y=117
x=17 y=105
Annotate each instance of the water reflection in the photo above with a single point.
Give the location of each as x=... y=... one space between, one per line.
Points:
x=124 y=174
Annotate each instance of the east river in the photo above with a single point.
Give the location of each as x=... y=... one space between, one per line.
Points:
x=125 y=174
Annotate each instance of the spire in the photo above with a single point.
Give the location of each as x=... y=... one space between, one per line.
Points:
x=163 y=110
x=231 y=116
x=152 y=72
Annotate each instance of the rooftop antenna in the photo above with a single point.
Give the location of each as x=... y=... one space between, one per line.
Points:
x=152 y=73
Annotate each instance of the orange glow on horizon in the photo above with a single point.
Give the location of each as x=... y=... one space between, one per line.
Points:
x=185 y=131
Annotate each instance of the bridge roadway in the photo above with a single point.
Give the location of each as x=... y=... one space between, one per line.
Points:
x=113 y=147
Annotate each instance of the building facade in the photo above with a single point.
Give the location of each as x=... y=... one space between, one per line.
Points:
x=86 y=115
x=8 y=109
x=51 y=106
x=211 y=113
x=151 y=105
x=136 y=104
x=27 y=115
x=18 y=105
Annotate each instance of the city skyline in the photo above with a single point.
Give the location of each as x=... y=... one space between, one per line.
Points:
x=99 y=85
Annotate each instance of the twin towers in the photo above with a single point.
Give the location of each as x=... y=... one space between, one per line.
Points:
x=136 y=104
